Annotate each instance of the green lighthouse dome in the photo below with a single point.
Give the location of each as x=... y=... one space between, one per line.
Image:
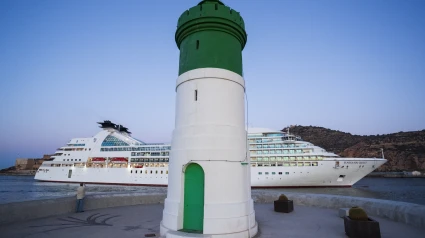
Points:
x=210 y=35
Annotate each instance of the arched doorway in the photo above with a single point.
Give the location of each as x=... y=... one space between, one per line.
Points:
x=193 y=214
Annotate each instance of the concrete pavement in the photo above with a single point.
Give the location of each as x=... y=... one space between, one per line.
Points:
x=143 y=221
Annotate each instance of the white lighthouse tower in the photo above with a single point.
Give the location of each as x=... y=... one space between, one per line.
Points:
x=209 y=189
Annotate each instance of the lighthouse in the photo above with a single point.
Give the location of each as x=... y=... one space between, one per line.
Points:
x=209 y=184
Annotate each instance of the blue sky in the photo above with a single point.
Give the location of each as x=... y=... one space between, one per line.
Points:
x=354 y=66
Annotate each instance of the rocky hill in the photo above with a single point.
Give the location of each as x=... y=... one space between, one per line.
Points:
x=405 y=151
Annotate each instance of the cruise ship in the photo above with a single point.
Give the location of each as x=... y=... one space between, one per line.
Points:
x=277 y=159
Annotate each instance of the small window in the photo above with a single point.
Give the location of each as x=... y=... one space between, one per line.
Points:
x=162 y=171
x=131 y=171
x=197 y=44
x=342 y=176
x=167 y=172
x=280 y=172
x=273 y=173
x=79 y=159
x=267 y=173
x=72 y=160
x=260 y=173
x=156 y=172
x=196 y=95
x=151 y=171
x=136 y=171
x=286 y=172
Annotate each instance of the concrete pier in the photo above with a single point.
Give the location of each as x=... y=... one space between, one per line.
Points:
x=143 y=221
x=137 y=215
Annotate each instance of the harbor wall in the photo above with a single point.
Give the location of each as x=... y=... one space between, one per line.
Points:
x=21 y=211
x=408 y=213
x=404 y=212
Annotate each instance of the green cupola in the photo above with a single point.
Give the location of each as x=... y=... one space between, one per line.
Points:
x=210 y=35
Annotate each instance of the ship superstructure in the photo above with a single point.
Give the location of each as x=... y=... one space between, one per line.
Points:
x=278 y=159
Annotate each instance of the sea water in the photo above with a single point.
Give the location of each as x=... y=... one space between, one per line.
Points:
x=25 y=188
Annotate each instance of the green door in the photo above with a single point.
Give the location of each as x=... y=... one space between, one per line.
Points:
x=193 y=216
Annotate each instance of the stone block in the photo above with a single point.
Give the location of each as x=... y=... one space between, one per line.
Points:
x=343 y=212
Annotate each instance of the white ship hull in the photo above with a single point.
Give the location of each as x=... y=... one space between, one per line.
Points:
x=323 y=175
x=276 y=159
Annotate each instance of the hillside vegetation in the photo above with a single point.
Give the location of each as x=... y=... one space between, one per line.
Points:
x=405 y=151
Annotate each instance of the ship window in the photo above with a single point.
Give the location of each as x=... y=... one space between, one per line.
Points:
x=273 y=173
x=151 y=171
x=267 y=173
x=67 y=160
x=113 y=141
x=260 y=173
x=286 y=173
x=342 y=176
x=146 y=171
x=131 y=171
x=162 y=172
x=197 y=44
x=63 y=159
x=156 y=172
x=136 y=171
x=280 y=172
x=196 y=95
x=167 y=172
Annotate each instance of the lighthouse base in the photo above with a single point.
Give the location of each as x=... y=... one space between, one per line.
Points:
x=166 y=233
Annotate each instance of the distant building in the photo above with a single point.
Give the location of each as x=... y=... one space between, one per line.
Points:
x=24 y=163
x=30 y=163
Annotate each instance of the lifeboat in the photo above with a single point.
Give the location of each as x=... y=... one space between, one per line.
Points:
x=138 y=166
x=98 y=159
x=119 y=160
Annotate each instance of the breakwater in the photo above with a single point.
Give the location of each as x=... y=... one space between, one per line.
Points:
x=408 y=213
x=395 y=175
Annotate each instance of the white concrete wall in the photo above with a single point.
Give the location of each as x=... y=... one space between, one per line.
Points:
x=21 y=211
x=210 y=131
x=408 y=213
